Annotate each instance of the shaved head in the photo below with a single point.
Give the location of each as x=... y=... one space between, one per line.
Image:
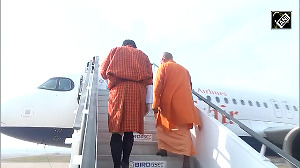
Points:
x=168 y=56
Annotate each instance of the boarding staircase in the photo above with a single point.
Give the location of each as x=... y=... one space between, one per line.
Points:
x=144 y=148
x=216 y=145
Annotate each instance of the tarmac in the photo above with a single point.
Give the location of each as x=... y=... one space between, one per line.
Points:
x=37 y=161
x=35 y=165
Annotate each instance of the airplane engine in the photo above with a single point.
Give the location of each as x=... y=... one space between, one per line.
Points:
x=291 y=144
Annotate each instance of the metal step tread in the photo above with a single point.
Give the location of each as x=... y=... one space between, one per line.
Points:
x=139 y=148
x=105 y=130
x=105 y=142
x=175 y=161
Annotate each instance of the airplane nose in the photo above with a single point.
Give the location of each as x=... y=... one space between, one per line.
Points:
x=7 y=111
x=15 y=114
x=15 y=109
x=2 y=124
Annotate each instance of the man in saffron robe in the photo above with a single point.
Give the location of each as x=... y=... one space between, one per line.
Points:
x=174 y=108
x=129 y=72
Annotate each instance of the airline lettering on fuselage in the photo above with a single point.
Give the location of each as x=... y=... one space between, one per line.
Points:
x=224 y=119
x=208 y=91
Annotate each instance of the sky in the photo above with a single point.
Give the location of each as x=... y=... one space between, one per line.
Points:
x=226 y=43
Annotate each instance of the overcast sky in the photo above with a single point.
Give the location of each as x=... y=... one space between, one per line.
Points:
x=227 y=43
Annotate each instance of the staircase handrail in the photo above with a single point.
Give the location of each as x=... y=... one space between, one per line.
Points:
x=89 y=156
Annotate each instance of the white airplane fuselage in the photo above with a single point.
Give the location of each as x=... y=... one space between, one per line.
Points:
x=47 y=115
x=270 y=116
x=43 y=116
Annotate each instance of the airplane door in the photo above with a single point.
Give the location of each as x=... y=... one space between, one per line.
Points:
x=276 y=108
x=288 y=110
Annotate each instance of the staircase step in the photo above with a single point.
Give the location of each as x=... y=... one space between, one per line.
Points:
x=175 y=161
x=105 y=161
x=139 y=148
x=149 y=122
x=104 y=135
x=104 y=116
x=148 y=126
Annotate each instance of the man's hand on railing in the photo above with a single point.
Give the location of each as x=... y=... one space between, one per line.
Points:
x=155 y=110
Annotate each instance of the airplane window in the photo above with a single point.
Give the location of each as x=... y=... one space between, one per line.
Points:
x=242 y=102
x=234 y=101
x=287 y=107
x=295 y=108
x=258 y=104
x=58 y=84
x=218 y=99
x=226 y=100
x=49 y=84
x=64 y=84
x=250 y=103
x=208 y=98
x=266 y=105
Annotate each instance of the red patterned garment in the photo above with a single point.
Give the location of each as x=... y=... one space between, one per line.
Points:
x=128 y=71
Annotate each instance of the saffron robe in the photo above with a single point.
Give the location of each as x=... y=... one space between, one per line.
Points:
x=177 y=141
x=177 y=113
x=128 y=71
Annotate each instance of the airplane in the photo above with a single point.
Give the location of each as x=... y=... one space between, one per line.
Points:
x=46 y=115
x=275 y=117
